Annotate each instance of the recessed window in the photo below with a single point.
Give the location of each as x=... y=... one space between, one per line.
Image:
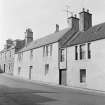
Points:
x=89 y=51
x=46 y=69
x=82 y=52
x=19 y=56
x=31 y=53
x=10 y=53
x=76 y=53
x=44 y=51
x=5 y=56
x=19 y=70
x=62 y=55
x=82 y=75
x=51 y=50
x=47 y=50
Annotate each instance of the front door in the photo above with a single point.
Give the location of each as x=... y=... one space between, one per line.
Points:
x=62 y=77
x=4 y=67
x=30 y=71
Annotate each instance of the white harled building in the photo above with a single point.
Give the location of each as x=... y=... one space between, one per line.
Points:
x=86 y=55
x=73 y=56
x=40 y=59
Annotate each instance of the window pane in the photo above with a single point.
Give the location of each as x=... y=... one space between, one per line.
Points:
x=31 y=53
x=76 y=53
x=82 y=75
x=19 y=70
x=46 y=68
x=89 y=51
x=82 y=52
x=43 y=50
x=50 y=50
x=46 y=50
x=62 y=55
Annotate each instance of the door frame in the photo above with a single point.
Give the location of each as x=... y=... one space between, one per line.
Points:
x=30 y=72
x=4 y=67
x=60 y=76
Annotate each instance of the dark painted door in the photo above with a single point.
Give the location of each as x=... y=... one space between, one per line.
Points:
x=4 y=67
x=62 y=77
x=30 y=71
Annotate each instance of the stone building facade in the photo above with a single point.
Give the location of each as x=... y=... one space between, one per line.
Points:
x=40 y=59
x=85 y=55
x=7 y=55
x=73 y=56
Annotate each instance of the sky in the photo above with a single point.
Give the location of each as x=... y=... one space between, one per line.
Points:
x=42 y=16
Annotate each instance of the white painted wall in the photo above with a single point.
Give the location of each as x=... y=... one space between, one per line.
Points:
x=38 y=62
x=63 y=65
x=95 y=67
x=8 y=60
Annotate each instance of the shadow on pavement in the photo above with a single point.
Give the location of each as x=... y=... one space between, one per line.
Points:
x=1 y=71
x=19 y=96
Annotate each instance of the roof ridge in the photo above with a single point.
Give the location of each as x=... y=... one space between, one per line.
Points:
x=92 y=34
x=51 y=38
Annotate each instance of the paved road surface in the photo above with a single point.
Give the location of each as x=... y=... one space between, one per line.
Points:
x=20 y=92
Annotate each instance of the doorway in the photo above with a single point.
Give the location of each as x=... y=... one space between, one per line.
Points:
x=30 y=72
x=62 y=76
x=4 y=67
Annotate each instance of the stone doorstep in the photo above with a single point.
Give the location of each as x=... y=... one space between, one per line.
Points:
x=55 y=85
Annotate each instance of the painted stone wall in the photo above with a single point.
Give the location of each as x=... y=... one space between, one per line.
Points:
x=37 y=64
x=95 y=67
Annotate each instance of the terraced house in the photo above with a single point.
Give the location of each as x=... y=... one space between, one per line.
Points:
x=40 y=59
x=8 y=53
x=86 y=55
x=73 y=56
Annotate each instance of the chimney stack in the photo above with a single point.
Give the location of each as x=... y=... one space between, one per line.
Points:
x=85 y=20
x=9 y=43
x=57 y=28
x=73 y=22
x=28 y=36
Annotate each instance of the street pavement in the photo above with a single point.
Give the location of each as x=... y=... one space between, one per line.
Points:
x=14 y=91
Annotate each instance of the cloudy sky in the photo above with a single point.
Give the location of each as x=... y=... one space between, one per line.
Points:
x=41 y=16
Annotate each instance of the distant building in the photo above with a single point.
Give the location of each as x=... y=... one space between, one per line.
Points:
x=7 y=55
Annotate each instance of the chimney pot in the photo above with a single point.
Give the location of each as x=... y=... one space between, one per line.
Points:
x=87 y=10
x=57 y=28
x=75 y=15
x=85 y=20
x=73 y=22
x=83 y=9
x=28 y=36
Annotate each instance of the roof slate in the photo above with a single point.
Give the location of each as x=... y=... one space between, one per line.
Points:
x=54 y=37
x=5 y=50
x=92 y=34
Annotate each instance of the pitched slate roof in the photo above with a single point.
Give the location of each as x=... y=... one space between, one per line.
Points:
x=54 y=37
x=2 y=51
x=92 y=34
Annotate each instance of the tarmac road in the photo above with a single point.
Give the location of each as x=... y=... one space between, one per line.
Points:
x=15 y=91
